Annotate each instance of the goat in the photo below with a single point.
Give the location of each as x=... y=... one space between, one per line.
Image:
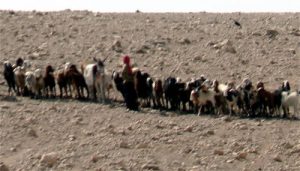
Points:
x=285 y=87
x=118 y=82
x=143 y=87
x=246 y=90
x=49 y=81
x=221 y=103
x=39 y=86
x=169 y=88
x=34 y=81
x=19 y=74
x=266 y=101
x=232 y=98
x=95 y=77
x=9 y=77
x=202 y=96
x=77 y=81
x=30 y=82
x=62 y=80
x=290 y=99
x=158 y=93
x=184 y=91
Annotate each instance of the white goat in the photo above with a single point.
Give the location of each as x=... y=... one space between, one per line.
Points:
x=30 y=82
x=34 y=82
x=202 y=96
x=95 y=77
x=290 y=100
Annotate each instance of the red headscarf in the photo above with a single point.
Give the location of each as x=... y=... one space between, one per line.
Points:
x=126 y=60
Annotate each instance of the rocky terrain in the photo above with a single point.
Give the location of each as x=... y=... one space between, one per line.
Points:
x=66 y=134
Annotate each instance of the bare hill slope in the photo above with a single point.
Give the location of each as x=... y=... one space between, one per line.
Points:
x=71 y=135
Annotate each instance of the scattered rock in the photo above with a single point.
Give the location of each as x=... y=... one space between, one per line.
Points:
x=256 y=34
x=227 y=46
x=209 y=132
x=272 y=33
x=13 y=149
x=32 y=132
x=49 y=159
x=227 y=118
x=287 y=145
x=296 y=149
x=3 y=167
x=295 y=32
x=219 y=152
x=124 y=144
x=71 y=137
x=230 y=161
x=150 y=167
x=143 y=49
x=117 y=47
x=277 y=158
x=142 y=145
x=94 y=158
x=292 y=51
x=187 y=150
x=188 y=129
x=4 y=106
x=185 y=41
x=241 y=155
x=197 y=58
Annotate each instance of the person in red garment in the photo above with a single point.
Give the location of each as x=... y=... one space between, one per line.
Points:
x=130 y=96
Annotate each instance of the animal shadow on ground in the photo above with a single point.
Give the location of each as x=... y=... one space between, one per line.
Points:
x=8 y=98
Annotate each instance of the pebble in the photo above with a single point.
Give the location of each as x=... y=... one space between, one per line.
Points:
x=209 y=132
x=241 y=155
x=227 y=119
x=3 y=167
x=296 y=149
x=32 y=132
x=124 y=145
x=142 y=145
x=71 y=137
x=229 y=161
x=49 y=159
x=188 y=129
x=219 y=152
x=13 y=149
x=277 y=158
x=150 y=167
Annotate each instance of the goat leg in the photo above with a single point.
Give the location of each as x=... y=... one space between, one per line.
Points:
x=200 y=109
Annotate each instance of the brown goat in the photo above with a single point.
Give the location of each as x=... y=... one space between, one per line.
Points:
x=265 y=101
x=77 y=81
x=62 y=82
x=158 y=93
x=19 y=74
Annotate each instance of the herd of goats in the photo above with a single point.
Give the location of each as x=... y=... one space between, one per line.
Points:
x=201 y=95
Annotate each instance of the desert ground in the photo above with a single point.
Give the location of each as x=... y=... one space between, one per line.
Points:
x=67 y=134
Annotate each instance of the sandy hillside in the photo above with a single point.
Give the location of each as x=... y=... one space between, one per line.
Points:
x=72 y=135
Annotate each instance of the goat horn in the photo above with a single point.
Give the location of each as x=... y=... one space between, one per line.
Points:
x=104 y=59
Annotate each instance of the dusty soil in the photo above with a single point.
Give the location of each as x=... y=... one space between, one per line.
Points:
x=73 y=135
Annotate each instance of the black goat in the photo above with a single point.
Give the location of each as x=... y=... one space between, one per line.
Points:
x=142 y=87
x=9 y=76
x=170 y=91
x=49 y=82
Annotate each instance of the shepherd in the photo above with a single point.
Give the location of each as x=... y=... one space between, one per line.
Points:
x=130 y=96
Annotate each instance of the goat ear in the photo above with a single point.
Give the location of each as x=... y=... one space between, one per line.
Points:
x=95 y=59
